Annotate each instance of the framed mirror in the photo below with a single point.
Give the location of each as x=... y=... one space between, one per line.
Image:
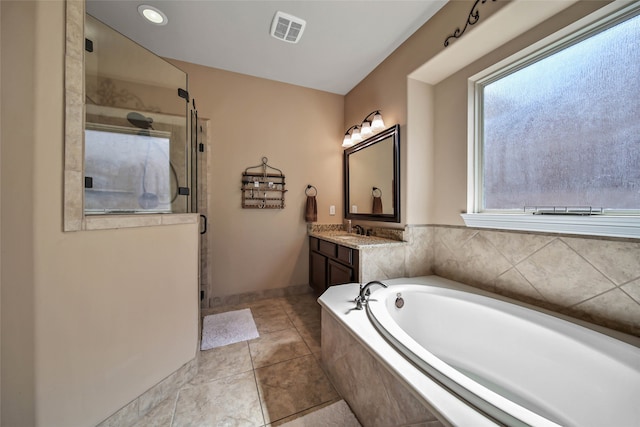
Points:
x=372 y=178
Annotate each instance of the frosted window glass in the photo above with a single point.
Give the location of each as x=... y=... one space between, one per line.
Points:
x=565 y=130
x=130 y=173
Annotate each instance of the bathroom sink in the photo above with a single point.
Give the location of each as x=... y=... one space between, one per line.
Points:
x=349 y=237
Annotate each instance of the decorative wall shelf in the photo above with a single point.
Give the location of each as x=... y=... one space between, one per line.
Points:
x=262 y=189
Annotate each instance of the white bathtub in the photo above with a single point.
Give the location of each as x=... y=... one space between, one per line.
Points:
x=507 y=363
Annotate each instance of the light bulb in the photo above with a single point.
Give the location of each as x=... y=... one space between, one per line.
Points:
x=346 y=142
x=355 y=135
x=365 y=130
x=152 y=14
x=377 y=123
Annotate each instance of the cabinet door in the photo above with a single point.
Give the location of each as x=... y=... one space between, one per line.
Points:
x=338 y=273
x=317 y=272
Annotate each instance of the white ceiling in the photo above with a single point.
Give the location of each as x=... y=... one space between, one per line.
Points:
x=344 y=40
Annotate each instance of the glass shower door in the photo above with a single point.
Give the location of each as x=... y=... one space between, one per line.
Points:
x=137 y=156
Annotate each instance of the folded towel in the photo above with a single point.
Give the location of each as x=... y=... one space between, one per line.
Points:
x=311 y=210
x=377 y=205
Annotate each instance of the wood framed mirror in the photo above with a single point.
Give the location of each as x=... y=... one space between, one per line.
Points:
x=372 y=178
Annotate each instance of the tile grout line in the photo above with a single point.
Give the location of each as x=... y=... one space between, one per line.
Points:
x=319 y=405
x=297 y=328
x=175 y=408
x=525 y=277
x=612 y=281
x=542 y=297
x=255 y=381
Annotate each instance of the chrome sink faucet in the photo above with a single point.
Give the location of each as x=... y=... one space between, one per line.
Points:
x=363 y=295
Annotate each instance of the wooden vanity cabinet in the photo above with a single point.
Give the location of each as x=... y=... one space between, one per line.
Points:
x=331 y=264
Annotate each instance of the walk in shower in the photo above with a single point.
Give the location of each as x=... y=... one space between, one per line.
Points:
x=137 y=146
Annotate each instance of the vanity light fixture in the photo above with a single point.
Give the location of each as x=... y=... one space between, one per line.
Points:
x=368 y=127
x=153 y=14
x=351 y=136
x=377 y=124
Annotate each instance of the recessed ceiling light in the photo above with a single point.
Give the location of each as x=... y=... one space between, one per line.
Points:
x=153 y=14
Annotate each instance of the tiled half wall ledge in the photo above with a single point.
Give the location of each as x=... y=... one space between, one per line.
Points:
x=595 y=279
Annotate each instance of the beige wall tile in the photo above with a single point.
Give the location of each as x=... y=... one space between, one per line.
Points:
x=419 y=251
x=613 y=308
x=547 y=271
x=618 y=260
x=374 y=394
x=513 y=284
x=633 y=290
x=562 y=276
x=515 y=247
x=382 y=263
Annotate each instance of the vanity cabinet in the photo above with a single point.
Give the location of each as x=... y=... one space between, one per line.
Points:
x=331 y=264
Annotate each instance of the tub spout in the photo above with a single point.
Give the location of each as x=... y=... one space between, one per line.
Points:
x=364 y=293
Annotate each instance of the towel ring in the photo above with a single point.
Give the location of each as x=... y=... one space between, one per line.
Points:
x=374 y=192
x=309 y=187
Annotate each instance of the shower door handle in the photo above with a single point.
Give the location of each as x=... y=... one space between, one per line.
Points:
x=204 y=222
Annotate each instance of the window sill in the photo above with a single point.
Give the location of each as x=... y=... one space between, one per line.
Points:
x=601 y=225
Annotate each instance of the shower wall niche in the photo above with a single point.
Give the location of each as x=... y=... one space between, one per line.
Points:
x=136 y=150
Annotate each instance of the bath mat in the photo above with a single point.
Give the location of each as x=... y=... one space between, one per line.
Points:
x=336 y=414
x=227 y=328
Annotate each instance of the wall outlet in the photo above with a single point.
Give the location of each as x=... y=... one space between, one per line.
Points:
x=354 y=208
x=332 y=210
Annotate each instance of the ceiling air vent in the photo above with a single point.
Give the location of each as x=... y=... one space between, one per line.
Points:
x=287 y=27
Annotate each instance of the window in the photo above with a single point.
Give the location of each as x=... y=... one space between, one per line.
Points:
x=128 y=172
x=561 y=127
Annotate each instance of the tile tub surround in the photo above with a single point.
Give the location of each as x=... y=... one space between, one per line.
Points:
x=271 y=380
x=372 y=392
x=590 y=278
x=379 y=384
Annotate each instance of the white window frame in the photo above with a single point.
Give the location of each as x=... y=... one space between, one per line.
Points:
x=615 y=225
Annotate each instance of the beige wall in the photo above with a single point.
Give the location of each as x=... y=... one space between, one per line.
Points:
x=387 y=88
x=90 y=320
x=300 y=131
x=434 y=140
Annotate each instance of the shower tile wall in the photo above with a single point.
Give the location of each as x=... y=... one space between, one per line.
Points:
x=593 y=279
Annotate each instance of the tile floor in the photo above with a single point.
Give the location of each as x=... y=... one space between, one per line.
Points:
x=267 y=381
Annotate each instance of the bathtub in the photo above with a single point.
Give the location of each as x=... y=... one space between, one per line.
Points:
x=480 y=359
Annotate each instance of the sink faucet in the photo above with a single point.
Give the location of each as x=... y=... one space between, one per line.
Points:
x=358 y=229
x=363 y=296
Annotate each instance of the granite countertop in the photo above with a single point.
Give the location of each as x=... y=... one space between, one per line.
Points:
x=352 y=240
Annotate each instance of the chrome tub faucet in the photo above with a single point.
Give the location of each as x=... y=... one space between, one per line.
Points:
x=363 y=295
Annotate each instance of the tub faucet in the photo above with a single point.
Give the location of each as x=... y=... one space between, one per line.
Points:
x=364 y=293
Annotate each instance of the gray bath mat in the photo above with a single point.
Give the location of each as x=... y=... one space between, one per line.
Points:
x=227 y=328
x=336 y=414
